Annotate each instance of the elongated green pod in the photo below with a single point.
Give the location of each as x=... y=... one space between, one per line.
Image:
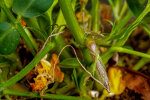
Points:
x=100 y=71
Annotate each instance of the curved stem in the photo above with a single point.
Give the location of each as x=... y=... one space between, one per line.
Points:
x=141 y=63
x=107 y=54
x=95 y=15
x=36 y=95
x=71 y=21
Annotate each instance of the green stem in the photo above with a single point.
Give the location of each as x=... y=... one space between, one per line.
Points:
x=116 y=5
x=128 y=32
x=19 y=28
x=95 y=15
x=118 y=8
x=141 y=63
x=71 y=20
x=31 y=65
x=59 y=39
x=8 y=12
x=130 y=29
x=26 y=38
x=31 y=38
x=146 y=28
x=33 y=23
x=36 y=95
x=111 y=3
x=49 y=11
x=7 y=97
x=123 y=11
x=3 y=16
x=111 y=50
x=116 y=30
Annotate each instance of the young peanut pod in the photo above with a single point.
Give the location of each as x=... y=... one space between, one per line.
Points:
x=100 y=71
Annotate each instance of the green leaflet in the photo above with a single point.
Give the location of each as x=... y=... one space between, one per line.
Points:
x=31 y=8
x=9 y=38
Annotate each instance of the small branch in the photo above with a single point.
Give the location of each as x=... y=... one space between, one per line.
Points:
x=95 y=15
x=111 y=50
x=36 y=95
x=71 y=20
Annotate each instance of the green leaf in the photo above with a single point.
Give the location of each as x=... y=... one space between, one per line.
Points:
x=118 y=35
x=137 y=7
x=110 y=22
x=44 y=22
x=75 y=78
x=8 y=3
x=70 y=63
x=117 y=30
x=31 y=8
x=9 y=38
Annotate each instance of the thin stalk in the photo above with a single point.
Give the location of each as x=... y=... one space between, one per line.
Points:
x=59 y=39
x=120 y=25
x=33 y=23
x=123 y=11
x=127 y=33
x=146 y=28
x=116 y=5
x=49 y=11
x=19 y=28
x=25 y=38
x=31 y=65
x=111 y=50
x=111 y=3
x=45 y=96
x=95 y=15
x=130 y=29
x=141 y=63
x=7 y=11
x=71 y=21
x=31 y=38
x=3 y=16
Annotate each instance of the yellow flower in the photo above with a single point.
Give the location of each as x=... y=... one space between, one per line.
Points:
x=58 y=75
x=45 y=73
x=116 y=83
x=43 y=67
x=39 y=84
